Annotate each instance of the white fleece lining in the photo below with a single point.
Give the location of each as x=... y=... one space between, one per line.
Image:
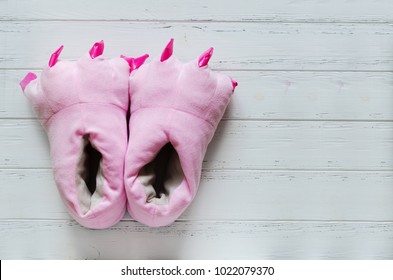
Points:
x=161 y=176
x=89 y=158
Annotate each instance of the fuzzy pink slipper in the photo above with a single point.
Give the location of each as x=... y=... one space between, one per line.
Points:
x=83 y=106
x=175 y=109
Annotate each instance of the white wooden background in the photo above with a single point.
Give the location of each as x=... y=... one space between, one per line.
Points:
x=301 y=167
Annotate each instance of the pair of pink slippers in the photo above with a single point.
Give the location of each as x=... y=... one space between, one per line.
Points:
x=153 y=168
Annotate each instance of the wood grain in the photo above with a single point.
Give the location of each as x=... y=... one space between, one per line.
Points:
x=219 y=10
x=260 y=195
x=262 y=46
x=197 y=240
x=271 y=95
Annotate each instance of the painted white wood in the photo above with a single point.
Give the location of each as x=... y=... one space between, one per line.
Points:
x=258 y=195
x=316 y=145
x=258 y=46
x=271 y=95
x=197 y=240
x=218 y=10
x=301 y=168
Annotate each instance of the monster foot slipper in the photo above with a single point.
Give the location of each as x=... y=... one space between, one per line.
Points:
x=175 y=109
x=82 y=106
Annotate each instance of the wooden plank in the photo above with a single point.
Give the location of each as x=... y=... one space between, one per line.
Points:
x=271 y=95
x=258 y=195
x=262 y=46
x=220 y=10
x=197 y=240
x=316 y=145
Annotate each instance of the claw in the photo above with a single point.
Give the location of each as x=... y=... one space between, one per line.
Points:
x=97 y=49
x=167 y=52
x=234 y=85
x=140 y=60
x=26 y=80
x=129 y=60
x=54 y=57
x=135 y=63
x=205 y=57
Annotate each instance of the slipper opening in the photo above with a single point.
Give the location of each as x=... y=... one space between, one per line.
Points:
x=162 y=175
x=90 y=178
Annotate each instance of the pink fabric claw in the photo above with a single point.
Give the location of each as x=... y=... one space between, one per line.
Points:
x=26 y=80
x=140 y=60
x=97 y=49
x=130 y=61
x=54 y=57
x=168 y=51
x=135 y=63
x=205 y=57
x=234 y=85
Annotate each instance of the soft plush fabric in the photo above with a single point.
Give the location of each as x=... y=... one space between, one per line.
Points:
x=83 y=106
x=175 y=109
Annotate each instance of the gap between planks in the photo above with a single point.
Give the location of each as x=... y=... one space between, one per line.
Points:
x=38 y=69
x=258 y=120
x=277 y=170
x=245 y=221
x=163 y=21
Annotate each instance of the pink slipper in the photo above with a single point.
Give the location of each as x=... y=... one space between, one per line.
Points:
x=175 y=109
x=83 y=106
